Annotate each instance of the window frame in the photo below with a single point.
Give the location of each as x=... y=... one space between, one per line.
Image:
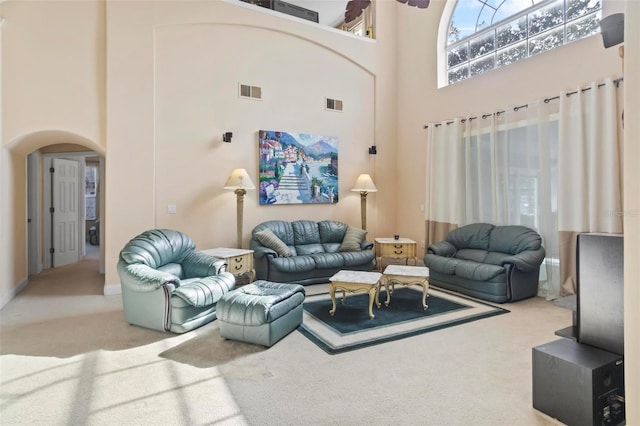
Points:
x=494 y=55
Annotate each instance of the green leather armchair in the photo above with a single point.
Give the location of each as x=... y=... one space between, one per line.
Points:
x=169 y=286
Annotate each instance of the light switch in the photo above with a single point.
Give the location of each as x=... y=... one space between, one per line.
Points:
x=171 y=209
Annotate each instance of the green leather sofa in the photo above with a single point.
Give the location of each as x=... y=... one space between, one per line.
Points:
x=494 y=263
x=169 y=286
x=316 y=252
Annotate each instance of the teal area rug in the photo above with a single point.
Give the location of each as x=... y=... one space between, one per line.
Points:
x=350 y=328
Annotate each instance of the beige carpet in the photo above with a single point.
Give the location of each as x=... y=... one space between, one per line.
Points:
x=67 y=357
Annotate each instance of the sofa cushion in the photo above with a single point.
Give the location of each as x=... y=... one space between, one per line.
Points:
x=514 y=239
x=173 y=269
x=306 y=249
x=305 y=232
x=476 y=255
x=203 y=292
x=293 y=263
x=355 y=259
x=442 y=264
x=281 y=228
x=496 y=258
x=474 y=236
x=328 y=260
x=271 y=240
x=477 y=271
x=332 y=231
x=353 y=239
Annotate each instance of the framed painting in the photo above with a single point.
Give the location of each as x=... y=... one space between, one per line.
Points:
x=297 y=168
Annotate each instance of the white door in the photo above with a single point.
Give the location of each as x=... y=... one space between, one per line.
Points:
x=66 y=214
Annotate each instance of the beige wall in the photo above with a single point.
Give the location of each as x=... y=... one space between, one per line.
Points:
x=173 y=91
x=52 y=93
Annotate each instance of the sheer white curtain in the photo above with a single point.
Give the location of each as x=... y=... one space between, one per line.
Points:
x=590 y=180
x=552 y=166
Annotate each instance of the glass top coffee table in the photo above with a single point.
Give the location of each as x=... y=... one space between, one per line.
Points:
x=405 y=275
x=353 y=282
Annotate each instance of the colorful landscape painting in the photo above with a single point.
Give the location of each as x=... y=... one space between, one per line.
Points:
x=297 y=168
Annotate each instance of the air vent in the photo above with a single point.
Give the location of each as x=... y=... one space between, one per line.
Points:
x=333 y=104
x=250 y=92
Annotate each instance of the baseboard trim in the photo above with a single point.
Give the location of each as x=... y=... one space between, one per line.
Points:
x=13 y=293
x=112 y=289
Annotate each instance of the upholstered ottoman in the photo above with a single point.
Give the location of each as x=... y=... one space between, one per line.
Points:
x=262 y=312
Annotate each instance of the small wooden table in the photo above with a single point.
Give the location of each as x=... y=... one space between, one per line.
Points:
x=239 y=262
x=353 y=282
x=404 y=275
x=402 y=248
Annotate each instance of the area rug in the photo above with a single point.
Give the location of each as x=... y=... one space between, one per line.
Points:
x=350 y=328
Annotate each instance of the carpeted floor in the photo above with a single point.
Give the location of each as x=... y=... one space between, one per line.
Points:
x=67 y=357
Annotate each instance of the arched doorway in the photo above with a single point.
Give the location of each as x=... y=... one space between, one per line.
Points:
x=38 y=151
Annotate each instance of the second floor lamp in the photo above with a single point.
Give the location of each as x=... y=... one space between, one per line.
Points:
x=364 y=185
x=240 y=182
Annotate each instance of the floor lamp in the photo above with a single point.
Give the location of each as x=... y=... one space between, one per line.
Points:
x=364 y=185
x=240 y=182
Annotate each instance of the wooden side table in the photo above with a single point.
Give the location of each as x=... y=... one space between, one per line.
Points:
x=354 y=282
x=402 y=248
x=239 y=261
x=405 y=275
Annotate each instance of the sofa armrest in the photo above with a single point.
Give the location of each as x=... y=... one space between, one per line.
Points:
x=527 y=260
x=260 y=252
x=198 y=264
x=442 y=248
x=366 y=245
x=142 y=278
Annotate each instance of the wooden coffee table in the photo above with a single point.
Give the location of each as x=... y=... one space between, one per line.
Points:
x=405 y=275
x=353 y=282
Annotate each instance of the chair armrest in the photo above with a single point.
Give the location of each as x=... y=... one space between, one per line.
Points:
x=142 y=278
x=366 y=245
x=198 y=264
x=527 y=260
x=442 y=248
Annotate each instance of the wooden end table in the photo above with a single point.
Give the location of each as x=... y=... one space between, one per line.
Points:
x=353 y=282
x=239 y=262
x=405 y=275
x=402 y=248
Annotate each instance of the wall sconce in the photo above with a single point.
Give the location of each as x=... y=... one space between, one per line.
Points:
x=373 y=150
x=240 y=182
x=226 y=137
x=364 y=185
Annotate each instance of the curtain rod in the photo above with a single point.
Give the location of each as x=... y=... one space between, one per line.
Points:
x=546 y=101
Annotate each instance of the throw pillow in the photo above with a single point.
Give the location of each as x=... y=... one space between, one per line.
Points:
x=352 y=240
x=271 y=240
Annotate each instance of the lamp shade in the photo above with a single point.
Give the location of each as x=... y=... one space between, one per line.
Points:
x=364 y=184
x=239 y=179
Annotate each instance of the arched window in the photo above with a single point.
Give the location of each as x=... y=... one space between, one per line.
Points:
x=486 y=34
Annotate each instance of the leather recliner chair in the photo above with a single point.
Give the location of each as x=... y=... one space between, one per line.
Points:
x=169 y=286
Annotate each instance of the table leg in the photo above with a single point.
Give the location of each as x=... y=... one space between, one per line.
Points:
x=372 y=294
x=332 y=293
x=425 y=290
x=386 y=287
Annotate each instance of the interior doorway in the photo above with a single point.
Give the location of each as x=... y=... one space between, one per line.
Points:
x=65 y=204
